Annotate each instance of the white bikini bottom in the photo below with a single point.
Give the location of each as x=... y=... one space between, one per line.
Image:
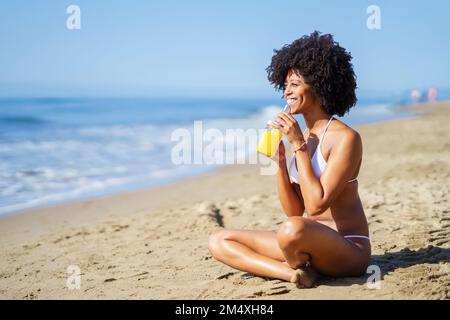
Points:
x=361 y=237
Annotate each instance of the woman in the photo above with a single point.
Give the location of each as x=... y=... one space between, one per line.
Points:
x=326 y=229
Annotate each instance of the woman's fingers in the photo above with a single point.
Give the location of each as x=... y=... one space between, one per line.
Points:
x=275 y=125
x=287 y=118
x=287 y=124
x=286 y=121
x=282 y=123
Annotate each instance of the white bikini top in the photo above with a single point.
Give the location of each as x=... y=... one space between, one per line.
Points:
x=317 y=161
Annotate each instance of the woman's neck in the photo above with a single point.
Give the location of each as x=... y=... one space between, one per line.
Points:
x=316 y=119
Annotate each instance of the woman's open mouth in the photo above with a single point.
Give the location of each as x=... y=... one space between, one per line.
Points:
x=291 y=101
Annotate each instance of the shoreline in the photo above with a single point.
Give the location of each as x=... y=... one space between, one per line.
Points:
x=409 y=112
x=153 y=242
x=30 y=217
x=68 y=196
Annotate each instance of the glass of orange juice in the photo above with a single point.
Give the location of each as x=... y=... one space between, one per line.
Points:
x=270 y=140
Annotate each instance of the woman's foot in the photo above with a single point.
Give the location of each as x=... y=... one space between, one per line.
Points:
x=304 y=277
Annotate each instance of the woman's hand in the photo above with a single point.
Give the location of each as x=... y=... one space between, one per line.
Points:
x=280 y=157
x=290 y=128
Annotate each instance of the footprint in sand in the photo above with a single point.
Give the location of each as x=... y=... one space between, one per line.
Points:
x=209 y=216
x=440 y=241
x=278 y=290
x=118 y=227
x=440 y=236
x=226 y=275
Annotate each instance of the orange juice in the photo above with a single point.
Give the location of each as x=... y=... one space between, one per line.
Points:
x=268 y=145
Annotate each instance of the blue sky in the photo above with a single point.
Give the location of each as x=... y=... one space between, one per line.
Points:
x=211 y=48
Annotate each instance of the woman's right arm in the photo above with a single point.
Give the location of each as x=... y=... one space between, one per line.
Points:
x=289 y=193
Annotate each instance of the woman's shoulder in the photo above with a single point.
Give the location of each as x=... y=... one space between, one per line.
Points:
x=341 y=131
x=344 y=135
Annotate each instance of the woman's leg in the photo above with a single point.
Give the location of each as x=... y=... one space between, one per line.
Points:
x=256 y=252
x=330 y=253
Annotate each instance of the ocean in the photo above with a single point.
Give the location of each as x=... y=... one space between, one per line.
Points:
x=55 y=150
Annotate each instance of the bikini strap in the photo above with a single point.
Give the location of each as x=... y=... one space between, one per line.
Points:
x=326 y=127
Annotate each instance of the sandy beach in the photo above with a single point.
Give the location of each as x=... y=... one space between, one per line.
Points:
x=152 y=244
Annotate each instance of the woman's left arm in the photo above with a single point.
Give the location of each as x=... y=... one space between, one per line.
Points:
x=342 y=163
x=318 y=195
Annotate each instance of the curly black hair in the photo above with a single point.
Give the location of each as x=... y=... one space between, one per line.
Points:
x=323 y=64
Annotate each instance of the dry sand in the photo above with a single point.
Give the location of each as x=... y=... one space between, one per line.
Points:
x=152 y=244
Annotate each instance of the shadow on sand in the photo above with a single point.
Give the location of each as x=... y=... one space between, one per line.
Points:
x=390 y=261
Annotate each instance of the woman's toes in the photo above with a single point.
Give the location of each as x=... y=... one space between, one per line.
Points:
x=304 y=277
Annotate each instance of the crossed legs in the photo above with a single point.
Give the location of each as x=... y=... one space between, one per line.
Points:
x=283 y=254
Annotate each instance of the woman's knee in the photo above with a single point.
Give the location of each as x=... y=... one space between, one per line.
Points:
x=291 y=232
x=214 y=241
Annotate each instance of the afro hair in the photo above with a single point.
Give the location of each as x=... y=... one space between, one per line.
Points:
x=323 y=64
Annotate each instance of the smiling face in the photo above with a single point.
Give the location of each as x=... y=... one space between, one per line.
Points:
x=298 y=93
